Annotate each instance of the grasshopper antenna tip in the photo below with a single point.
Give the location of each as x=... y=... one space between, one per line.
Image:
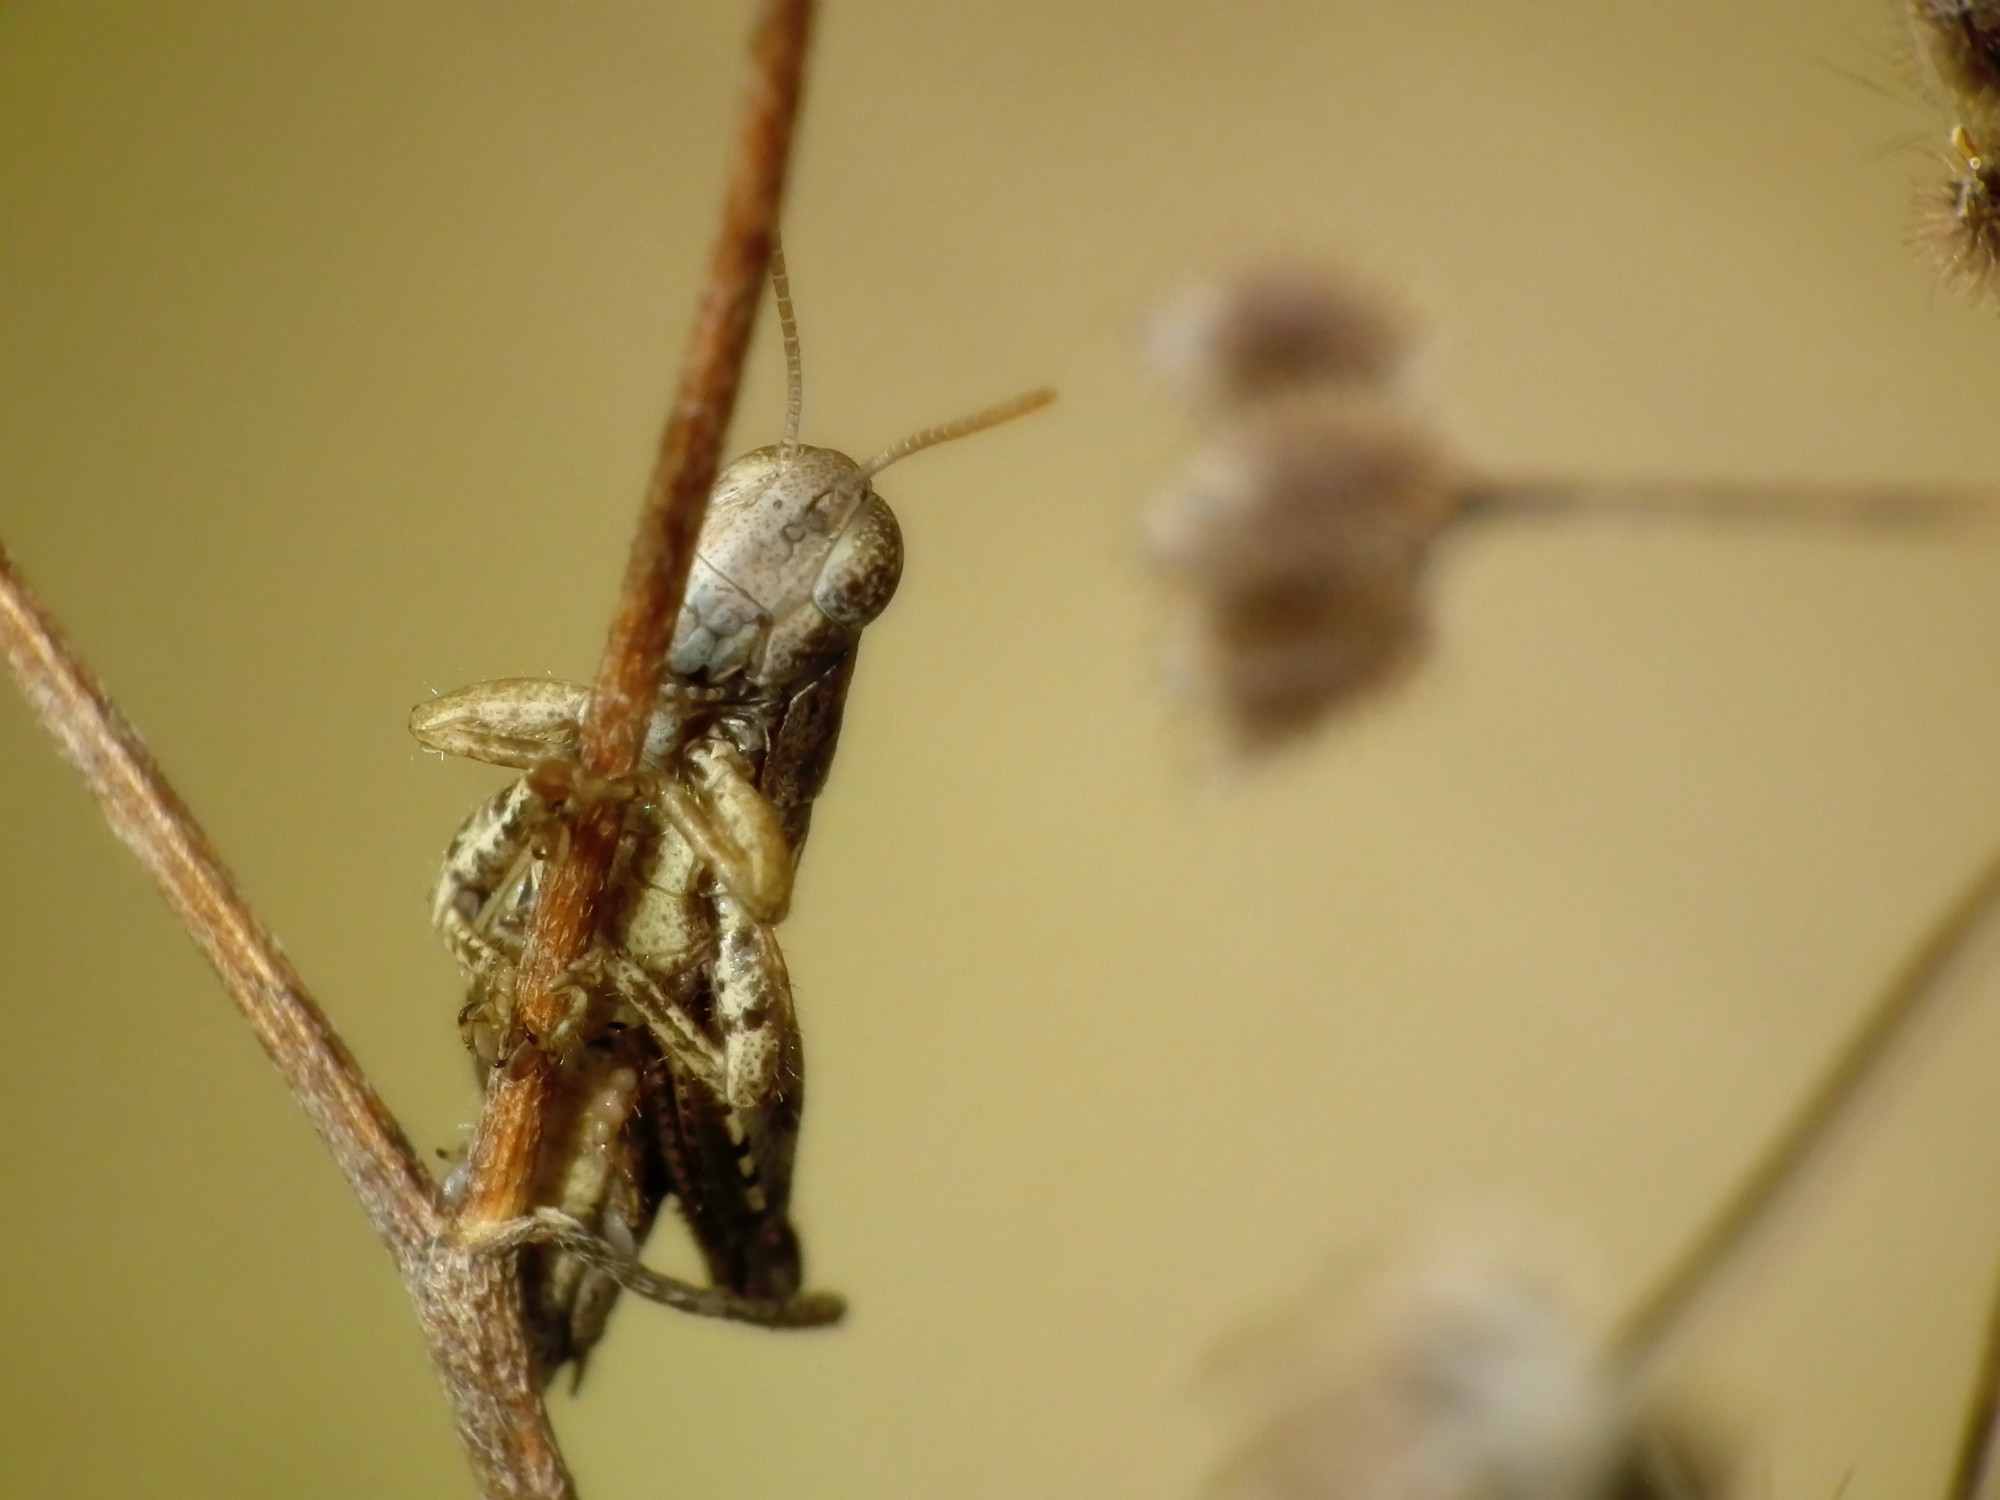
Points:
x=946 y=432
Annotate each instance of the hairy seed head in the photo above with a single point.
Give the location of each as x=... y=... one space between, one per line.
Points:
x=1960 y=216
x=1454 y=1381
x=1959 y=41
x=1297 y=540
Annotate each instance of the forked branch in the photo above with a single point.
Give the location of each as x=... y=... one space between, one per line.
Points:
x=153 y=822
x=466 y=1294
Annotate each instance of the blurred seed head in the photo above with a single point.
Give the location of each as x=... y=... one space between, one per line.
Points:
x=1296 y=538
x=1958 y=212
x=1271 y=329
x=1960 y=216
x=1277 y=662
x=1455 y=1382
x=1304 y=486
x=1959 y=43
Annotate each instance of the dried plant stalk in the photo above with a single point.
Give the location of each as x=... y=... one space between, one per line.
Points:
x=1974 y=1467
x=628 y=677
x=1659 y=1319
x=464 y=1288
x=154 y=824
x=1879 y=507
x=481 y=1358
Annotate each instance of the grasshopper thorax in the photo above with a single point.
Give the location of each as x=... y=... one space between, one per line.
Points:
x=797 y=554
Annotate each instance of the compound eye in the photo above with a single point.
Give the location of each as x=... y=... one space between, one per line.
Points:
x=861 y=572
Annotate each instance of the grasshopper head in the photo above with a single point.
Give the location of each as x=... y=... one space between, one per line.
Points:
x=797 y=554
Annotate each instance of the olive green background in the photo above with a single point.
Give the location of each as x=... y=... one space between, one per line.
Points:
x=333 y=345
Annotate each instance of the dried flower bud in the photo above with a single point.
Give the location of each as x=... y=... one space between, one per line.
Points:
x=1960 y=42
x=1454 y=1383
x=1298 y=539
x=1960 y=216
x=1278 y=328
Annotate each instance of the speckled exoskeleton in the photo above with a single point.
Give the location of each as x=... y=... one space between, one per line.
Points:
x=680 y=1071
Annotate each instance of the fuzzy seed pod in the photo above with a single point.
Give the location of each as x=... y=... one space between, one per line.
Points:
x=1455 y=1383
x=1298 y=540
x=1279 y=660
x=1960 y=216
x=1959 y=41
x=1280 y=327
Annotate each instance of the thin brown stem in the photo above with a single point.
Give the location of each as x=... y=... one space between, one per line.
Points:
x=628 y=678
x=153 y=822
x=469 y=1307
x=1880 y=505
x=467 y=1298
x=1982 y=1421
x=467 y=1304
x=1812 y=1126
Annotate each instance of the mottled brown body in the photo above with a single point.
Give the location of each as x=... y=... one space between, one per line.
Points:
x=636 y=1122
x=680 y=1069
x=683 y=994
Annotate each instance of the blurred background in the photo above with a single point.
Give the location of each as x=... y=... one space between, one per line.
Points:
x=333 y=346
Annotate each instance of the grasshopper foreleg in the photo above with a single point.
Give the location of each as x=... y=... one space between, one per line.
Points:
x=730 y=825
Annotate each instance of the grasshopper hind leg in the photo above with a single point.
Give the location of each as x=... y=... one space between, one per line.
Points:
x=743 y=1230
x=602 y=1166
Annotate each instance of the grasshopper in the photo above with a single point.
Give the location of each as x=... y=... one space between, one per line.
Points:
x=680 y=1072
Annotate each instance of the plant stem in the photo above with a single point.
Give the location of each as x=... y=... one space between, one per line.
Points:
x=628 y=677
x=1887 y=506
x=153 y=822
x=1982 y=1421
x=1812 y=1127
x=467 y=1297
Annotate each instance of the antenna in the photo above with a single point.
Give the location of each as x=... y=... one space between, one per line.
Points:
x=930 y=437
x=788 y=327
